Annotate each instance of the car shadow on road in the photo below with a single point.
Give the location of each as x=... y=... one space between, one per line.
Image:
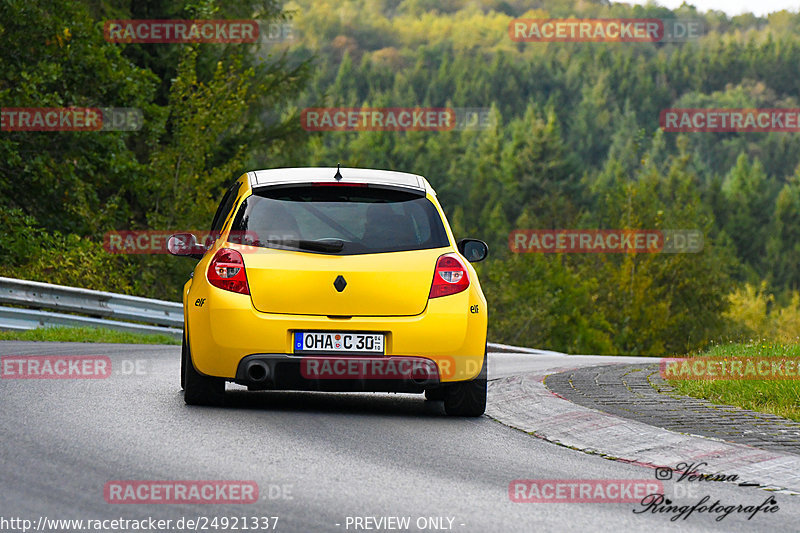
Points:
x=335 y=402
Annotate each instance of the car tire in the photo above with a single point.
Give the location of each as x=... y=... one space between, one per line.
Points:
x=183 y=362
x=467 y=398
x=435 y=395
x=198 y=388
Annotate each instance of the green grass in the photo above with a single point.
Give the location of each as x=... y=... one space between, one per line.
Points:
x=779 y=397
x=82 y=334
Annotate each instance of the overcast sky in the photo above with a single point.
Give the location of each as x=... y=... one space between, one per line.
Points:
x=731 y=7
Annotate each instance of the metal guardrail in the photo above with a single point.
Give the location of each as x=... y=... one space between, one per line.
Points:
x=507 y=348
x=104 y=309
x=108 y=310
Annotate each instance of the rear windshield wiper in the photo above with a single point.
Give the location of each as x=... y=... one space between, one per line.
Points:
x=327 y=245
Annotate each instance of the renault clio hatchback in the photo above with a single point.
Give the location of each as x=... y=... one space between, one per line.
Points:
x=329 y=279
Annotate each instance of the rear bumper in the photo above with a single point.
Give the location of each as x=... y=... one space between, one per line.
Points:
x=226 y=329
x=337 y=373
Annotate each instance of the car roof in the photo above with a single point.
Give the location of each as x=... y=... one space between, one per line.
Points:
x=386 y=178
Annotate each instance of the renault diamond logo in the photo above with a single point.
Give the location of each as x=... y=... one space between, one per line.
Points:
x=340 y=283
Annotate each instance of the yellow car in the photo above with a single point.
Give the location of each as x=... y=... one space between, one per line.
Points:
x=330 y=279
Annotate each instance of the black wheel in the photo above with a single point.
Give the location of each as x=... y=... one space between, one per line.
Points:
x=183 y=362
x=467 y=398
x=198 y=388
x=435 y=395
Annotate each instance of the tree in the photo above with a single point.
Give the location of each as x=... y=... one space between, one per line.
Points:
x=784 y=244
x=748 y=201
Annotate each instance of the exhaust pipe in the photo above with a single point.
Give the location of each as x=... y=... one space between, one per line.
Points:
x=425 y=374
x=257 y=371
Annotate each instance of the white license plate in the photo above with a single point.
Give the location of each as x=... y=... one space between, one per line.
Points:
x=337 y=342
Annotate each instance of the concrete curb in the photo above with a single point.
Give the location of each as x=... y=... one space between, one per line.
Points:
x=523 y=402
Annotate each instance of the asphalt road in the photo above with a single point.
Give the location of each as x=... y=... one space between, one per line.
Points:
x=320 y=460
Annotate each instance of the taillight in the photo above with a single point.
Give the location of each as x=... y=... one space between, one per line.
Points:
x=226 y=271
x=450 y=276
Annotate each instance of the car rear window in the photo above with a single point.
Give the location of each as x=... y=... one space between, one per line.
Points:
x=348 y=220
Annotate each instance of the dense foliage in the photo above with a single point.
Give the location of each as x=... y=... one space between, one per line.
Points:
x=575 y=143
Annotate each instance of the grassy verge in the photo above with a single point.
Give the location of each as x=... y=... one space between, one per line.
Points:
x=780 y=397
x=67 y=334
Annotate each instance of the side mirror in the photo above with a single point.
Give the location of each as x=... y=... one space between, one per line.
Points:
x=185 y=244
x=473 y=249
